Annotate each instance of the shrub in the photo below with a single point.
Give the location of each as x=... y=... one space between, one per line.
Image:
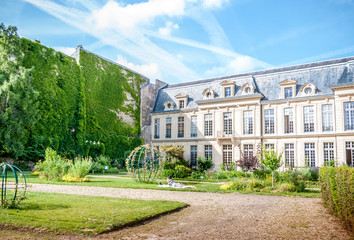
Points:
x=204 y=164
x=261 y=173
x=182 y=171
x=168 y=172
x=247 y=163
x=221 y=175
x=54 y=167
x=337 y=190
x=287 y=187
x=80 y=168
x=196 y=175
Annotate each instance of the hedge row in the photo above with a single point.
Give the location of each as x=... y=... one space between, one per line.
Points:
x=337 y=189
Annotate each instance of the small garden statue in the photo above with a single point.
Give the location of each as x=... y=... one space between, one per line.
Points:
x=12 y=193
x=144 y=163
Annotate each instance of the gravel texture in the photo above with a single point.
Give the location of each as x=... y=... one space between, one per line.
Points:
x=217 y=216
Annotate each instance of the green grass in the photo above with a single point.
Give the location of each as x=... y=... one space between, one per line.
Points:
x=200 y=186
x=129 y=183
x=82 y=214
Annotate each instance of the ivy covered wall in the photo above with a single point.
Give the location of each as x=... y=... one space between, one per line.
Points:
x=112 y=103
x=87 y=108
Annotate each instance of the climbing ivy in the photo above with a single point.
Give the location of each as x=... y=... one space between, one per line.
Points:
x=90 y=108
x=112 y=103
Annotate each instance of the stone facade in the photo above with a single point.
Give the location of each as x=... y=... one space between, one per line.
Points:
x=148 y=96
x=304 y=111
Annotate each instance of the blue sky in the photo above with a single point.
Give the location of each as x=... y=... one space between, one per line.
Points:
x=184 y=40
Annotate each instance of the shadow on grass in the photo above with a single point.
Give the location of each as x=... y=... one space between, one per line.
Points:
x=38 y=206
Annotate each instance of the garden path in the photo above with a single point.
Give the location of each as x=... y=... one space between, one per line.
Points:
x=220 y=216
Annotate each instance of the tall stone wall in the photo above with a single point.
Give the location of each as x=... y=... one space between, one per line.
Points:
x=148 y=95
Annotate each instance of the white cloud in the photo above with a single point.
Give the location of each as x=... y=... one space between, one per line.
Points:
x=131 y=28
x=237 y=65
x=150 y=70
x=213 y=3
x=66 y=50
x=114 y=15
x=168 y=28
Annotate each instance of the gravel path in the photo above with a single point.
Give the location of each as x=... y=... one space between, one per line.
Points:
x=221 y=216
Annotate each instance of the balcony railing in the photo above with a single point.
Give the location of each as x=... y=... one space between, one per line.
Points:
x=229 y=134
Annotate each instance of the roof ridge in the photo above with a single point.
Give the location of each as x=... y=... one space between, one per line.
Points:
x=267 y=71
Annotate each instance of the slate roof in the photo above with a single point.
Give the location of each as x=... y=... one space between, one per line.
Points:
x=323 y=75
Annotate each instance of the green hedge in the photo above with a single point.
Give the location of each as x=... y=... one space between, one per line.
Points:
x=337 y=189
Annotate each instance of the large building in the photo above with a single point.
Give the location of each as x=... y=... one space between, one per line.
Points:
x=304 y=111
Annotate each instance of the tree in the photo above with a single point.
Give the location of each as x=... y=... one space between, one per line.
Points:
x=272 y=160
x=247 y=163
x=18 y=110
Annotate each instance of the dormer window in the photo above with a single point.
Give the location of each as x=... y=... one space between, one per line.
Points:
x=227 y=91
x=208 y=94
x=228 y=88
x=168 y=105
x=288 y=88
x=247 y=88
x=182 y=100
x=181 y=104
x=288 y=92
x=308 y=89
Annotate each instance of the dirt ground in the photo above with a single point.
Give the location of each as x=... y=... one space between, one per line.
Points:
x=209 y=216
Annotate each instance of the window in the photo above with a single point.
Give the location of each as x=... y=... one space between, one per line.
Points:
x=310 y=156
x=269 y=146
x=157 y=128
x=308 y=90
x=168 y=127
x=349 y=116
x=227 y=91
x=327 y=117
x=180 y=127
x=247 y=150
x=349 y=150
x=248 y=90
x=194 y=126
x=227 y=124
x=181 y=104
x=208 y=151
x=194 y=156
x=227 y=154
x=288 y=92
x=248 y=122
x=309 y=125
x=208 y=95
x=208 y=124
x=288 y=120
x=289 y=155
x=269 y=121
x=328 y=152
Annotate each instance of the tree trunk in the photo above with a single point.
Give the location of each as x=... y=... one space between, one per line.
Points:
x=272 y=179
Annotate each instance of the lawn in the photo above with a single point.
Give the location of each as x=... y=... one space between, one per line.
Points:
x=115 y=182
x=82 y=214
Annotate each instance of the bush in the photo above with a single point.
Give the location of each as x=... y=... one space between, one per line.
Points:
x=261 y=173
x=99 y=164
x=337 y=190
x=182 y=171
x=80 y=168
x=204 y=164
x=54 y=167
x=168 y=172
x=308 y=174
x=287 y=187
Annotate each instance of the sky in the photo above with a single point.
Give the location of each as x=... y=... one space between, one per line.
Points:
x=184 y=40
